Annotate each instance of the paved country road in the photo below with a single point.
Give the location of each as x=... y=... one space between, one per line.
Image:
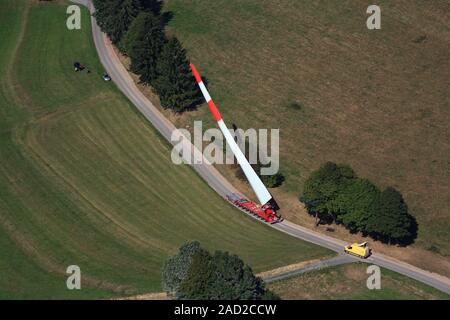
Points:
x=216 y=181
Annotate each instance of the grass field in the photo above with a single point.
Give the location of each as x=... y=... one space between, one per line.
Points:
x=85 y=180
x=377 y=100
x=349 y=282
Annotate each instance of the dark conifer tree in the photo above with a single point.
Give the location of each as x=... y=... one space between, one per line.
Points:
x=176 y=85
x=143 y=43
x=115 y=16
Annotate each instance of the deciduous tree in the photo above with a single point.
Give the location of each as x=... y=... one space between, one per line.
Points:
x=176 y=268
x=335 y=191
x=354 y=203
x=322 y=187
x=196 y=274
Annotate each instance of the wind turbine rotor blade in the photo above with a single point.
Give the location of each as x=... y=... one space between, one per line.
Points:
x=258 y=186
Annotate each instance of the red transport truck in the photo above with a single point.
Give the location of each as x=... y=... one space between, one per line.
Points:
x=266 y=212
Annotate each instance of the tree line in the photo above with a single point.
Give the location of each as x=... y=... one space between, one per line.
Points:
x=194 y=273
x=136 y=27
x=334 y=193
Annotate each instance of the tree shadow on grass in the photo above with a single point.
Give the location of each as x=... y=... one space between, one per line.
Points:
x=166 y=17
x=403 y=241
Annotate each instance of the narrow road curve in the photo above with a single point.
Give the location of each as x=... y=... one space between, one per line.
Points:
x=216 y=181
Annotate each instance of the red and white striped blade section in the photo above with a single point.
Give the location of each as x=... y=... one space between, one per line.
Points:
x=258 y=187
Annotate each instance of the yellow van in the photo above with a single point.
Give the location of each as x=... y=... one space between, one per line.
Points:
x=361 y=250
